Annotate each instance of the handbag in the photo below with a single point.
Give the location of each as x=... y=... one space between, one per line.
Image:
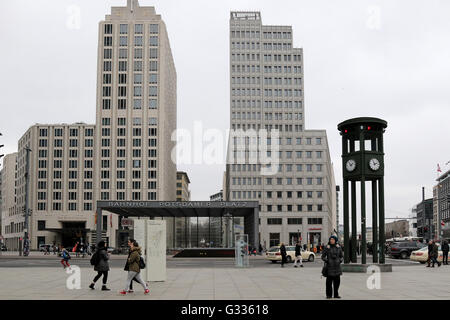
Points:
x=141 y=263
x=325 y=269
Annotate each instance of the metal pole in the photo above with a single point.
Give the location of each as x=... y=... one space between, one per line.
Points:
x=26 y=243
x=197 y=233
x=354 y=231
x=381 y=227
x=346 y=224
x=363 y=220
x=363 y=200
x=99 y=225
x=374 y=222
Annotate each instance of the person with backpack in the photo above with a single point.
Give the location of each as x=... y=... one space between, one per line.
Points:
x=127 y=267
x=65 y=257
x=135 y=264
x=100 y=262
x=332 y=256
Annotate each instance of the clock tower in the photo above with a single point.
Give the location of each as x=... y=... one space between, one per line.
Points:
x=363 y=161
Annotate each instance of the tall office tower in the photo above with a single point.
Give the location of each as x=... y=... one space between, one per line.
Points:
x=136 y=108
x=266 y=92
x=60 y=190
x=182 y=224
x=12 y=219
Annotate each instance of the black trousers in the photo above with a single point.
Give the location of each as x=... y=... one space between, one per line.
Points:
x=99 y=274
x=445 y=257
x=283 y=259
x=333 y=286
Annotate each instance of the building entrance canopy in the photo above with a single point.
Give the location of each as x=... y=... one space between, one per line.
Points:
x=249 y=210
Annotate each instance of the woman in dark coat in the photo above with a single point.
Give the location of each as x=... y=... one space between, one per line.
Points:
x=332 y=256
x=283 y=254
x=102 y=265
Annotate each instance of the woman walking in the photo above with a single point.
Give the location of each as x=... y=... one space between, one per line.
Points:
x=101 y=265
x=332 y=256
x=134 y=269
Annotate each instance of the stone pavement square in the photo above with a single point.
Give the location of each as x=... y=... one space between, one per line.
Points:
x=410 y=282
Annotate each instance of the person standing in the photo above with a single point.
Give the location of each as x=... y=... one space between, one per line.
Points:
x=283 y=254
x=101 y=265
x=445 y=250
x=298 y=254
x=134 y=268
x=332 y=256
x=430 y=252
x=65 y=257
x=435 y=254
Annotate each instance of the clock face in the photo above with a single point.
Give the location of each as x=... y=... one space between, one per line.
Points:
x=350 y=165
x=374 y=164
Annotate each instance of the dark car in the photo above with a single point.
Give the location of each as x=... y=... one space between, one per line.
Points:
x=4 y=248
x=403 y=249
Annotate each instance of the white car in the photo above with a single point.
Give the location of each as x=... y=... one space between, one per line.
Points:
x=274 y=255
x=422 y=255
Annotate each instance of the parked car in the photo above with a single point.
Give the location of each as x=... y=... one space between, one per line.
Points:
x=422 y=255
x=403 y=249
x=274 y=255
x=4 y=248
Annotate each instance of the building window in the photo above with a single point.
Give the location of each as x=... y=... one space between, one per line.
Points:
x=152 y=103
x=274 y=239
x=294 y=220
x=123 y=28
x=153 y=41
x=274 y=221
x=154 y=28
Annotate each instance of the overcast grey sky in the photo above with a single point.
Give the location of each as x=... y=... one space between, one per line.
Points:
x=388 y=59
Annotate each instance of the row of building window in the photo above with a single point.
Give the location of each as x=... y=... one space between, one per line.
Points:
x=137 y=78
x=267 y=80
x=293 y=221
x=14 y=227
x=268 y=127
x=57 y=206
x=138 y=28
x=245 y=34
x=123 y=67
x=279 y=141
x=138 y=41
x=58 y=153
x=58 y=132
x=43 y=143
x=137 y=91
x=289 y=181
x=57 y=185
x=267 y=104
x=245 y=68
x=137 y=104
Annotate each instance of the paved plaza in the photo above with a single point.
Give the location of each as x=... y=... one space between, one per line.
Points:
x=405 y=282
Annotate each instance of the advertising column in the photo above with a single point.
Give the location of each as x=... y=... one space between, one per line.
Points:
x=156 y=250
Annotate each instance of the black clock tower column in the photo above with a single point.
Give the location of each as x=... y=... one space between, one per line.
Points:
x=363 y=160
